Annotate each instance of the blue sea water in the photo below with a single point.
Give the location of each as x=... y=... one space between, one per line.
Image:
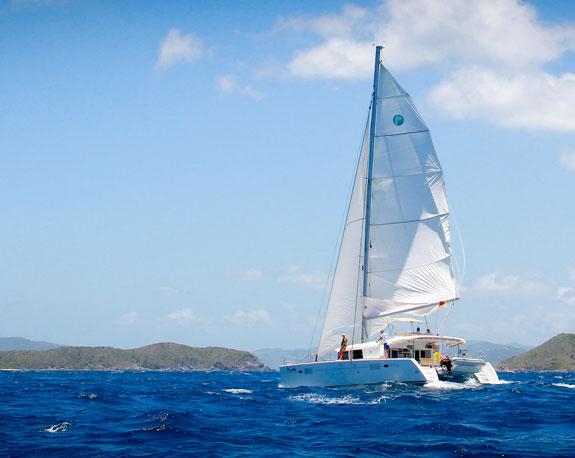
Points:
x=175 y=414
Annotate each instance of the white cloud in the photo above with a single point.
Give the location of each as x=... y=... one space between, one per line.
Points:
x=504 y=33
x=229 y=84
x=309 y=279
x=513 y=285
x=536 y=101
x=177 y=48
x=328 y=25
x=241 y=317
x=126 y=319
x=492 y=52
x=566 y=294
x=418 y=33
x=338 y=58
x=567 y=161
x=185 y=314
x=226 y=83
x=168 y=291
x=251 y=274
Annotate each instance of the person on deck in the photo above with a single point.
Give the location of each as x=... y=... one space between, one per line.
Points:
x=383 y=339
x=343 y=346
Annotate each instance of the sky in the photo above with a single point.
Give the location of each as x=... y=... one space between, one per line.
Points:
x=179 y=171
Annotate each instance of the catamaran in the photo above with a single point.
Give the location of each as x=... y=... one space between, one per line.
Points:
x=395 y=262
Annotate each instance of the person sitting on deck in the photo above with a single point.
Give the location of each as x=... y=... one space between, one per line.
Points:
x=343 y=346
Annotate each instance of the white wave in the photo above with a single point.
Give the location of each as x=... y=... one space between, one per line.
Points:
x=563 y=385
x=445 y=385
x=314 y=398
x=380 y=400
x=238 y=391
x=501 y=382
x=58 y=427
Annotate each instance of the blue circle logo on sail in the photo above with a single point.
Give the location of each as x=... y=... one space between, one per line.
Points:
x=398 y=120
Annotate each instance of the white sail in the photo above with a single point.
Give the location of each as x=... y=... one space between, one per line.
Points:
x=410 y=256
x=343 y=315
x=409 y=264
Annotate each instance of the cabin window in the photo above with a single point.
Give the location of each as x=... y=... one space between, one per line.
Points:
x=401 y=353
x=357 y=354
x=422 y=354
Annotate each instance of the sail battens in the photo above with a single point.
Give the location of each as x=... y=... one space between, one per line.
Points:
x=402 y=133
x=407 y=268
x=401 y=94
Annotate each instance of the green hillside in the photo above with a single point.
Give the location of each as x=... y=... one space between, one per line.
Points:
x=557 y=354
x=161 y=356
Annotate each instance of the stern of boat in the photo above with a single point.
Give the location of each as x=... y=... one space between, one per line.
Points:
x=464 y=368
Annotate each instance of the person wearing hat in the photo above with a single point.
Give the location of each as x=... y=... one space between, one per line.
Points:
x=343 y=346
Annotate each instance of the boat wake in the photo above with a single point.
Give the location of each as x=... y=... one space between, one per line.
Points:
x=445 y=385
x=316 y=398
x=501 y=382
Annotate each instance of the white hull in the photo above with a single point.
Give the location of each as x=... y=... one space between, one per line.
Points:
x=471 y=368
x=355 y=372
x=467 y=365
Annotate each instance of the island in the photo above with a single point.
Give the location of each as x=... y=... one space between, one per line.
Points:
x=557 y=354
x=159 y=356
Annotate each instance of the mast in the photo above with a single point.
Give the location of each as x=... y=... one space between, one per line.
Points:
x=366 y=240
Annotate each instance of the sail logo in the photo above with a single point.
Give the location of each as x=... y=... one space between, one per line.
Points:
x=398 y=120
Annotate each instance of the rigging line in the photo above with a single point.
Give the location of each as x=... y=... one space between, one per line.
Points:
x=444 y=318
x=461 y=273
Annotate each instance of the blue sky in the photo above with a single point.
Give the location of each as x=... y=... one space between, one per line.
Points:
x=178 y=171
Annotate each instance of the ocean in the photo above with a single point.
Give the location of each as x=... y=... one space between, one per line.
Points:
x=178 y=414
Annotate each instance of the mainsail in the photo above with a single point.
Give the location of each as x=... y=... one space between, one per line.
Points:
x=409 y=265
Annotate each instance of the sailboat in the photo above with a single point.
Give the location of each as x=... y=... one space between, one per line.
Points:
x=395 y=263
